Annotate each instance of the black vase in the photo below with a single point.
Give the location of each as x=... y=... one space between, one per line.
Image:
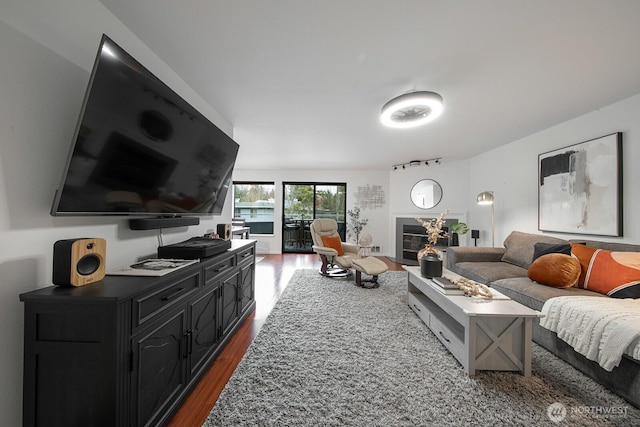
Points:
x=453 y=241
x=431 y=266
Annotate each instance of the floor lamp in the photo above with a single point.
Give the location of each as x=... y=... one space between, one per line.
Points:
x=486 y=198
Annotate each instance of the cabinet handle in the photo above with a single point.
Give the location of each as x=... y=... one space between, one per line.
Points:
x=416 y=307
x=443 y=337
x=185 y=345
x=222 y=268
x=246 y=255
x=172 y=294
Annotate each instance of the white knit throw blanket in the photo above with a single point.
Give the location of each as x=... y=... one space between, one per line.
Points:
x=599 y=328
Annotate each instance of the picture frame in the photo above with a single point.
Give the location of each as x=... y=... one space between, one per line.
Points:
x=580 y=188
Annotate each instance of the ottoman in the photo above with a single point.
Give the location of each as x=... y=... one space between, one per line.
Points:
x=371 y=266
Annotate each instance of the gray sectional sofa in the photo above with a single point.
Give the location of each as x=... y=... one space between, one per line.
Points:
x=505 y=269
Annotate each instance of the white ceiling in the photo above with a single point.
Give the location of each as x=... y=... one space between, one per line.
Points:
x=303 y=81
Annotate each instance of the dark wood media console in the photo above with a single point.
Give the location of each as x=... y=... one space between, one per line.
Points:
x=125 y=351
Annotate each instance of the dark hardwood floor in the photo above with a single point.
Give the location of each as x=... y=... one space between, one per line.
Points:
x=273 y=273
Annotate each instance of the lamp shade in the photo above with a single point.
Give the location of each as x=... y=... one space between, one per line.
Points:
x=411 y=109
x=485 y=198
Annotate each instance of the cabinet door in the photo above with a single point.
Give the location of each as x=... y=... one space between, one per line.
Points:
x=229 y=289
x=70 y=366
x=159 y=367
x=204 y=334
x=246 y=288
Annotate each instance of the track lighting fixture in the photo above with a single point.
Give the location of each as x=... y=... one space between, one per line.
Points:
x=412 y=163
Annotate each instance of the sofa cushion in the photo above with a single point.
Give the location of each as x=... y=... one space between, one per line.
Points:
x=333 y=242
x=610 y=246
x=557 y=270
x=534 y=295
x=519 y=247
x=616 y=274
x=485 y=272
x=540 y=249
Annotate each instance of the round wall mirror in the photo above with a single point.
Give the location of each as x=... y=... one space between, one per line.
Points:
x=426 y=194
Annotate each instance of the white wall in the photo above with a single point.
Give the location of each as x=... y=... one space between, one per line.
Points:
x=511 y=172
x=377 y=225
x=452 y=176
x=47 y=50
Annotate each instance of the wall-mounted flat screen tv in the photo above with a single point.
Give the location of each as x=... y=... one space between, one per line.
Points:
x=140 y=149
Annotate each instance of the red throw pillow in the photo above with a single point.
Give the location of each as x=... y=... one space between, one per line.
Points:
x=616 y=274
x=333 y=242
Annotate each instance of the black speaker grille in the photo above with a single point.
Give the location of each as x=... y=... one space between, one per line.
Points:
x=88 y=264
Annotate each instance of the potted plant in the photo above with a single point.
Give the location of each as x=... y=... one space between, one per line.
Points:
x=456 y=229
x=430 y=259
x=356 y=224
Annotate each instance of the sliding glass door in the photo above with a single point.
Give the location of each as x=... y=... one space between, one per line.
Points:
x=305 y=201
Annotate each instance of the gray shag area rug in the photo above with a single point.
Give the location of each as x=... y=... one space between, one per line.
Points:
x=334 y=354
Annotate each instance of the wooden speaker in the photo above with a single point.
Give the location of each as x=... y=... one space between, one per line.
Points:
x=224 y=231
x=78 y=262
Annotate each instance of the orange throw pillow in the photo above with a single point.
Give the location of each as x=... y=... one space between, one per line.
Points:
x=333 y=242
x=556 y=270
x=616 y=274
x=583 y=254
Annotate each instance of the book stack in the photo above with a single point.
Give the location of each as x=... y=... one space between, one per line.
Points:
x=446 y=286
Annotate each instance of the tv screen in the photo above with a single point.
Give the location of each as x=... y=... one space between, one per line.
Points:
x=140 y=149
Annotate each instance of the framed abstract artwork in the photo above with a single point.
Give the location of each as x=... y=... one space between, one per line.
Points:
x=580 y=188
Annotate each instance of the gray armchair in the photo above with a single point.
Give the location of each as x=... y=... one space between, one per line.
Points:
x=336 y=255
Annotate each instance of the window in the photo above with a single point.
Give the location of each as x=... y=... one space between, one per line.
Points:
x=253 y=201
x=305 y=201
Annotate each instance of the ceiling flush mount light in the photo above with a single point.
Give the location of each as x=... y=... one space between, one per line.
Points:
x=411 y=109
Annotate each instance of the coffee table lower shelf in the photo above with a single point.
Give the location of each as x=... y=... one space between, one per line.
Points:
x=483 y=335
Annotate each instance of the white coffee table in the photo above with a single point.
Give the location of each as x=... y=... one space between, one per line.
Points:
x=483 y=334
